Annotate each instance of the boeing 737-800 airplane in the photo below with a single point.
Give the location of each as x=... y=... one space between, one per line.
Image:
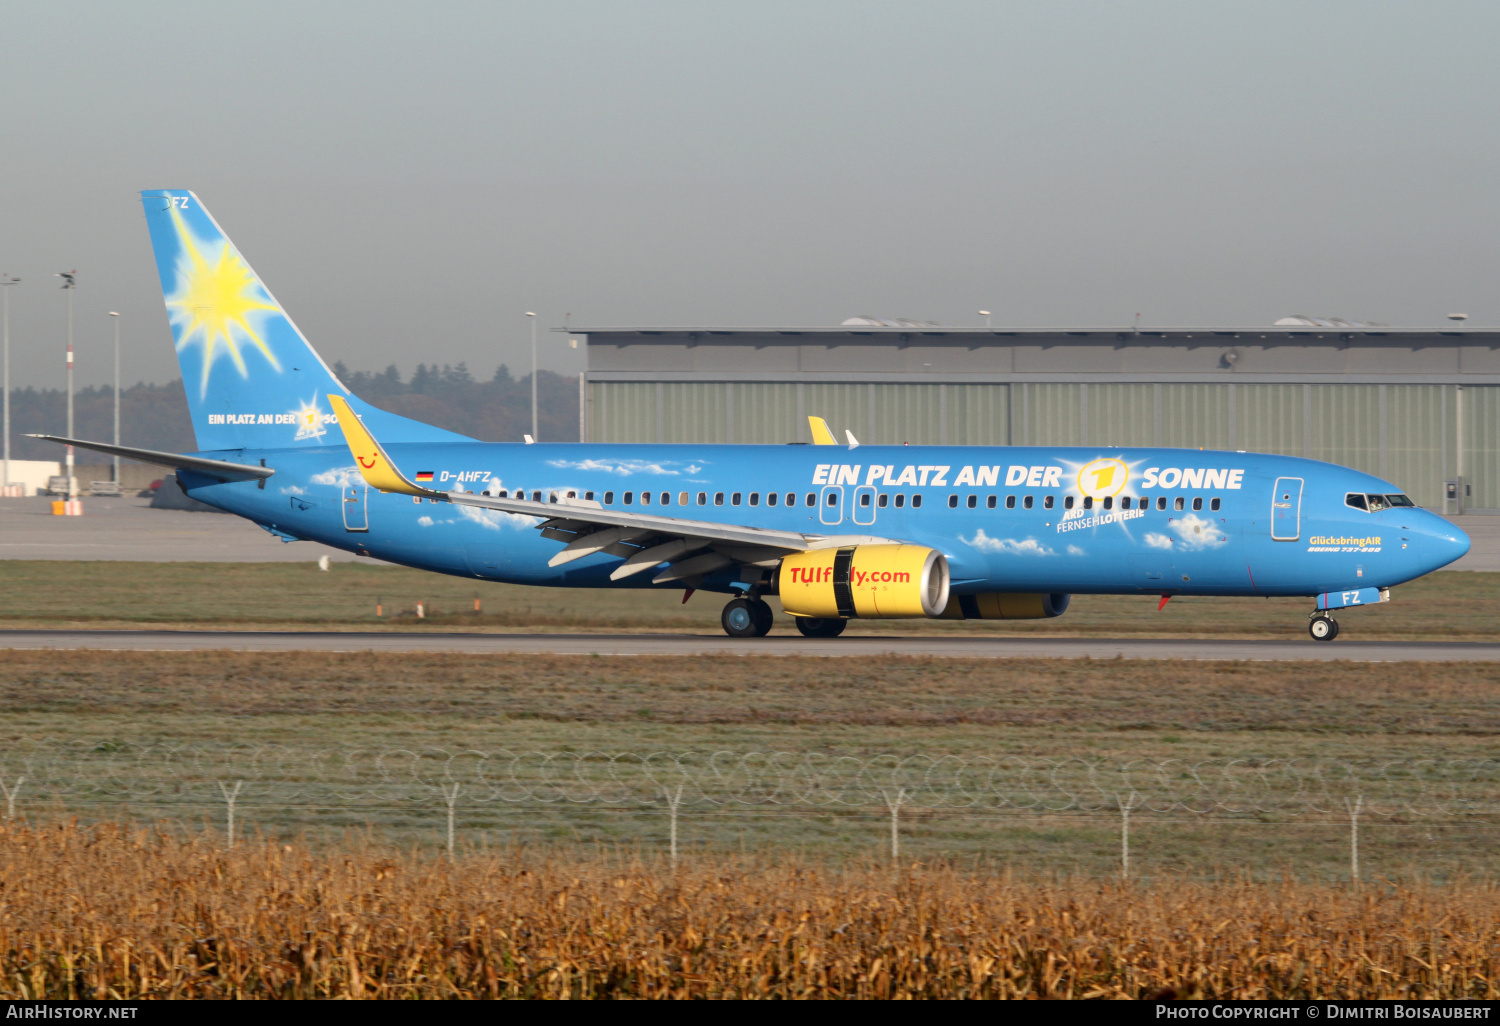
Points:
x=965 y=532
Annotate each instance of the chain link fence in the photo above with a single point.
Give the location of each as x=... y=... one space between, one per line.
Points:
x=458 y=783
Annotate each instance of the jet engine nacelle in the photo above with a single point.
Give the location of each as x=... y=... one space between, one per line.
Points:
x=865 y=581
x=1000 y=605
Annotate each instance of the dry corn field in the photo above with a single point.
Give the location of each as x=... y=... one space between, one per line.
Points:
x=127 y=913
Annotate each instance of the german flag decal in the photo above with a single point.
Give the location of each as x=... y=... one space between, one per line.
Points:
x=424 y=475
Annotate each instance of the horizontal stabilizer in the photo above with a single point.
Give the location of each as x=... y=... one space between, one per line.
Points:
x=222 y=469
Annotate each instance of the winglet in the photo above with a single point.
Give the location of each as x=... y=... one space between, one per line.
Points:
x=375 y=466
x=820 y=433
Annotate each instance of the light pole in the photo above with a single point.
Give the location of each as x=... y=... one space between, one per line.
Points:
x=7 y=280
x=70 y=284
x=986 y=315
x=116 y=316
x=532 y=315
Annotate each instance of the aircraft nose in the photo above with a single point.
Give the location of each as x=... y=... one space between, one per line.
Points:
x=1444 y=542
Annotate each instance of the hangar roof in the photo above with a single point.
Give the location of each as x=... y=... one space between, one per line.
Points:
x=1281 y=354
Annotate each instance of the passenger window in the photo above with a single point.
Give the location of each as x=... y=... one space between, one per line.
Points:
x=718 y=498
x=588 y=496
x=864 y=499
x=645 y=498
x=833 y=498
x=1356 y=500
x=812 y=499
x=1197 y=503
x=989 y=502
x=900 y=501
x=1010 y=502
x=791 y=498
x=552 y=497
x=536 y=496
x=884 y=498
x=973 y=501
x=953 y=502
x=1177 y=503
x=755 y=498
x=628 y=497
x=1109 y=502
x=502 y=493
x=609 y=498
x=1047 y=502
x=1161 y=502
x=666 y=498
x=1125 y=502
x=1214 y=504
x=572 y=495
x=1088 y=502
x=1068 y=502
x=916 y=502
x=734 y=499
x=1026 y=502
x=770 y=498
x=703 y=498
x=682 y=498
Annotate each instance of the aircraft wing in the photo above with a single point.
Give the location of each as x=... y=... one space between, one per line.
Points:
x=644 y=540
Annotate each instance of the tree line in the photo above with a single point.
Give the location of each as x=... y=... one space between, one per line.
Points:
x=155 y=416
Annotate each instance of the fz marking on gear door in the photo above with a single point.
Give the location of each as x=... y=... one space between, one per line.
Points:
x=356 y=507
x=1286 y=509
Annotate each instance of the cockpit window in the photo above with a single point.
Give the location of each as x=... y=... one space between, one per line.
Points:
x=1376 y=503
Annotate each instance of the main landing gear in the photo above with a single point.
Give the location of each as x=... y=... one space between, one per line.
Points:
x=746 y=618
x=816 y=627
x=1323 y=627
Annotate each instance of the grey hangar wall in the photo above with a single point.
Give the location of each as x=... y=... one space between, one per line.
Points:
x=1414 y=406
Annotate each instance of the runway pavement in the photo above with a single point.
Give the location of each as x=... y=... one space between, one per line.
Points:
x=697 y=645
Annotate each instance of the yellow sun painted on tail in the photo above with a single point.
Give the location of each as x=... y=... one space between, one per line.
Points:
x=215 y=299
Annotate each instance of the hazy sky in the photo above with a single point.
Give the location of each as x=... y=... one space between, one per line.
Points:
x=409 y=179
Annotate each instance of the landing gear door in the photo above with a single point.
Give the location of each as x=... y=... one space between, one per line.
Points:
x=864 y=505
x=1286 y=509
x=356 y=507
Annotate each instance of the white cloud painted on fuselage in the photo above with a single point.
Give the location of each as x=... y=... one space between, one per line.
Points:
x=1007 y=546
x=339 y=477
x=1197 y=533
x=1158 y=541
x=623 y=468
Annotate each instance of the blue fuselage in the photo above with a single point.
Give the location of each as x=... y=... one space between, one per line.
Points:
x=1011 y=519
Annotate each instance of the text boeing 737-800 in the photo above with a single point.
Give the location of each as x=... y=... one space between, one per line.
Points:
x=921 y=531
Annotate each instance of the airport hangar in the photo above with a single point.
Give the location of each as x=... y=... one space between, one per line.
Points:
x=1417 y=406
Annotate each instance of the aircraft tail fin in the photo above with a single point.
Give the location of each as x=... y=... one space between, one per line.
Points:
x=252 y=379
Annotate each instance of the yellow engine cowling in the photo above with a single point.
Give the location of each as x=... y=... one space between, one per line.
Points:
x=865 y=581
x=997 y=605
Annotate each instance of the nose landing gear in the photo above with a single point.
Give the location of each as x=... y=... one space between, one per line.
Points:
x=746 y=618
x=1323 y=627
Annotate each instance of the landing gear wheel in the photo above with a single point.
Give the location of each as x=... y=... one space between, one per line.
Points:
x=746 y=618
x=1323 y=628
x=814 y=627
